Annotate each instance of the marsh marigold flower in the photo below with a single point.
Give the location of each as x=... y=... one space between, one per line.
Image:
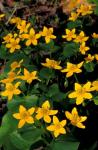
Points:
x=24 y=115
x=81 y=92
x=11 y=77
x=48 y=34
x=95 y=35
x=70 y=34
x=81 y=38
x=50 y=63
x=11 y=90
x=85 y=9
x=94 y=86
x=29 y=76
x=83 y=48
x=73 y=16
x=72 y=68
x=32 y=37
x=16 y=64
x=75 y=119
x=7 y=38
x=89 y=58
x=45 y=112
x=1 y=16
x=23 y=26
x=96 y=56
x=13 y=45
x=57 y=127
x=15 y=20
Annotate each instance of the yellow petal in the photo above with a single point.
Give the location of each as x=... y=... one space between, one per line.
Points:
x=88 y=95
x=39 y=116
x=55 y=120
x=80 y=125
x=83 y=118
x=16 y=116
x=87 y=85
x=30 y=120
x=28 y=42
x=53 y=112
x=62 y=131
x=21 y=123
x=79 y=100
x=68 y=115
x=31 y=110
x=72 y=95
x=56 y=133
x=47 y=119
x=32 y=31
x=46 y=104
x=22 y=108
x=77 y=86
x=63 y=123
x=47 y=39
x=74 y=111
x=51 y=128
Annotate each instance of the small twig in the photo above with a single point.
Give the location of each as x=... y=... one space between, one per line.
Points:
x=15 y=8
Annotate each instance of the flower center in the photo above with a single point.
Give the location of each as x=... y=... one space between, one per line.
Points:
x=24 y=115
x=58 y=126
x=45 y=111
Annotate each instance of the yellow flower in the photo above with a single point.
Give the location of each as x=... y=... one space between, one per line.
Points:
x=95 y=35
x=11 y=77
x=75 y=119
x=96 y=56
x=29 y=76
x=94 y=86
x=1 y=16
x=32 y=38
x=24 y=116
x=83 y=48
x=70 y=34
x=73 y=16
x=81 y=38
x=7 y=38
x=57 y=127
x=72 y=68
x=13 y=45
x=85 y=9
x=15 y=20
x=89 y=58
x=23 y=27
x=50 y=63
x=16 y=64
x=81 y=92
x=48 y=34
x=11 y=90
x=45 y=112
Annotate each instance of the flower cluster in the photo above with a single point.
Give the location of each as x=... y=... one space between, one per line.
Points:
x=44 y=112
x=38 y=65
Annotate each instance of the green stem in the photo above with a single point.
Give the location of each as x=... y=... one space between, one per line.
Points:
x=76 y=78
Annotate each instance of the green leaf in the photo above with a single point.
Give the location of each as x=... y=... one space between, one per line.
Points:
x=53 y=89
x=64 y=145
x=95 y=100
x=89 y=66
x=9 y=124
x=28 y=101
x=77 y=23
x=3 y=52
x=70 y=49
x=46 y=73
x=20 y=143
x=33 y=135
